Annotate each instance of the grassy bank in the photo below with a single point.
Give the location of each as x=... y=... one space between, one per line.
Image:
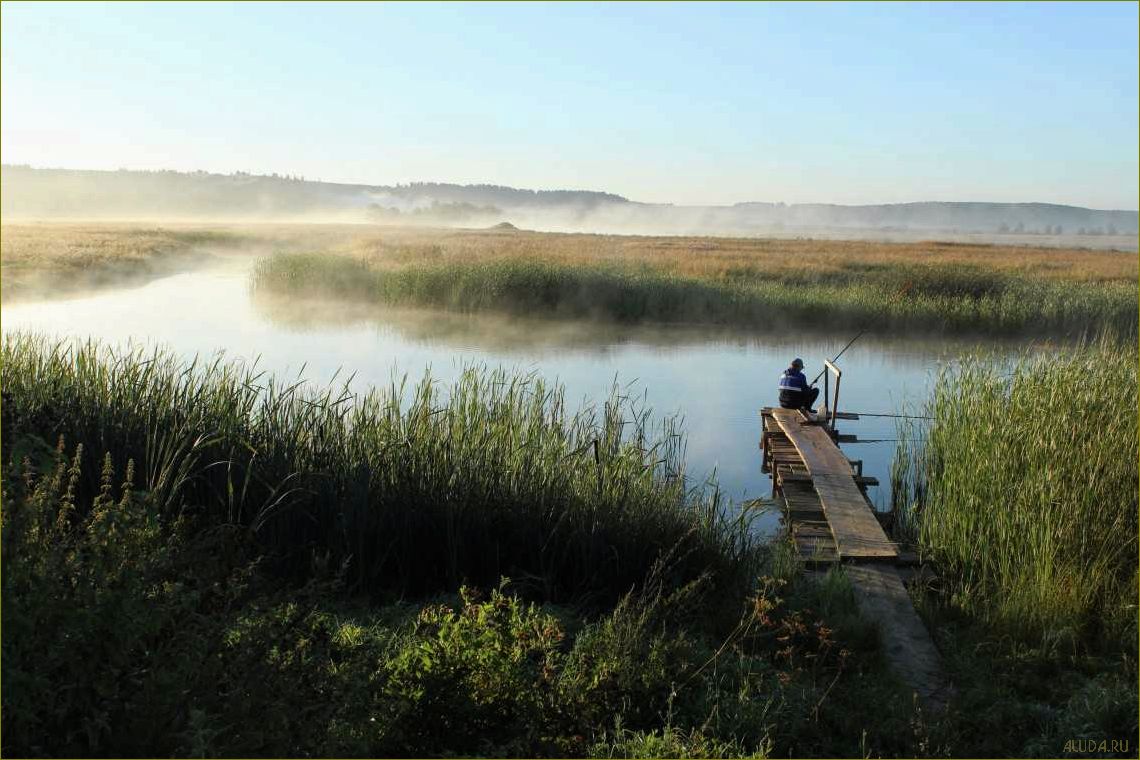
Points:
x=209 y=563
x=778 y=284
x=416 y=489
x=45 y=259
x=200 y=561
x=1021 y=495
x=128 y=635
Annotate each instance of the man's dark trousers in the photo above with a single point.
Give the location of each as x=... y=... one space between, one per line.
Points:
x=806 y=400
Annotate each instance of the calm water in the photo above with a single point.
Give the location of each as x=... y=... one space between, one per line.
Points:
x=716 y=379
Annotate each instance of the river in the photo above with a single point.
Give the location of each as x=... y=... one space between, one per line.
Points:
x=716 y=379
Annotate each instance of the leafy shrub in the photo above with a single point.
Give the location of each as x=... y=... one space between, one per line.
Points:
x=102 y=609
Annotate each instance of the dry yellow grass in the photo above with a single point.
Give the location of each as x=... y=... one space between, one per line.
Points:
x=80 y=246
x=898 y=286
x=66 y=257
x=736 y=258
x=74 y=246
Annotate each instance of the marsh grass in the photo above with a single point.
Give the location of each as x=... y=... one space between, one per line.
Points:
x=902 y=295
x=144 y=566
x=415 y=488
x=1024 y=491
x=729 y=258
x=753 y=282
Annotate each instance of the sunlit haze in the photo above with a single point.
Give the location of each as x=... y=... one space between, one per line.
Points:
x=683 y=103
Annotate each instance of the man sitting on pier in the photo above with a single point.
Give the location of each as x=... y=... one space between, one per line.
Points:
x=795 y=393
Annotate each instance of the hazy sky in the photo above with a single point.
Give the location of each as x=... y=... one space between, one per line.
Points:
x=701 y=103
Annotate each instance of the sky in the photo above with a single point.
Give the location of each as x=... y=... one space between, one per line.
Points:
x=701 y=103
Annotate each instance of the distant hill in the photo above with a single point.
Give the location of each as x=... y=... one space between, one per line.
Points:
x=34 y=192
x=27 y=192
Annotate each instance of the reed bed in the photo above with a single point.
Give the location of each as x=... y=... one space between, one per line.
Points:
x=719 y=258
x=903 y=296
x=1024 y=491
x=414 y=488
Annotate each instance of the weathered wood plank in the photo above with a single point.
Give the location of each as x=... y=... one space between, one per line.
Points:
x=807 y=525
x=819 y=452
x=881 y=596
x=827 y=519
x=858 y=535
x=800 y=477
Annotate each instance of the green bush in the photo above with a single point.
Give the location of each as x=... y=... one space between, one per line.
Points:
x=482 y=675
x=103 y=609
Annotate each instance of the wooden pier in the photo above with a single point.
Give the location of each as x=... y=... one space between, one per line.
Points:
x=831 y=521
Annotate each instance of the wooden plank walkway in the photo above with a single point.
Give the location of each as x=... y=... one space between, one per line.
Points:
x=906 y=643
x=830 y=521
x=857 y=533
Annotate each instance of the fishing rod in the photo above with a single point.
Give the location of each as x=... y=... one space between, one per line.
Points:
x=849 y=344
x=895 y=416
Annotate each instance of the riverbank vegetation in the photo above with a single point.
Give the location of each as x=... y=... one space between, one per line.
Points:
x=1023 y=489
x=772 y=283
x=64 y=258
x=202 y=560
x=209 y=562
x=1020 y=493
x=414 y=490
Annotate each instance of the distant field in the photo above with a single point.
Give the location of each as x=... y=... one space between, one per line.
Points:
x=735 y=258
x=46 y=258
x=927 y=285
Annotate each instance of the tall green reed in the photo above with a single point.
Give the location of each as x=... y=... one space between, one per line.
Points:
x=904 y=297
x=1024 y=492
x=415 y=488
